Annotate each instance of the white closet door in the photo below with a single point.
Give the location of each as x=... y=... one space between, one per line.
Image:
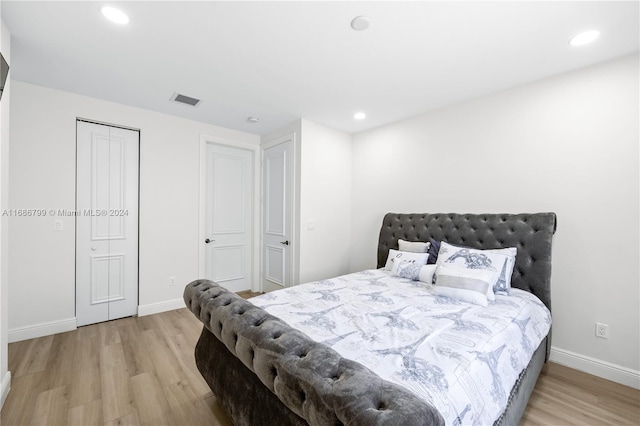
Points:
x=107 y=164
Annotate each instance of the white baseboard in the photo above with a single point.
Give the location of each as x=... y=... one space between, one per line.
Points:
x=156 y=308
x=55 y=327
x=5 y=387
x=606 y=370
x=42 y=329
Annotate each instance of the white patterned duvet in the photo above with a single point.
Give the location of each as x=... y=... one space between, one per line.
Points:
x=462 y=358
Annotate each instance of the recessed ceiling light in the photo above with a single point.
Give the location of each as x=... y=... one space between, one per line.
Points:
x=115 y=15
x=360 y=23
x=584 y=38
x=359 y=115
x=252 y=120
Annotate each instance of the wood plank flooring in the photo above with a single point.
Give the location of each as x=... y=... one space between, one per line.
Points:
x=564 y=396
x=141 y=371
x=133 y=371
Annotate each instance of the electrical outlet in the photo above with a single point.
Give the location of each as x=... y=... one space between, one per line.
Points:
x=602 y=330
x=172 y=281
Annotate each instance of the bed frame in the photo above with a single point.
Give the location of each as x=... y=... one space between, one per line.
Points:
x=264 y=372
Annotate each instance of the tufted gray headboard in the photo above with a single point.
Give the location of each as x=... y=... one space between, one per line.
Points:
x=531 y=233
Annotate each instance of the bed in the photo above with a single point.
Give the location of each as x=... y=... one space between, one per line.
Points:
x=265 y=372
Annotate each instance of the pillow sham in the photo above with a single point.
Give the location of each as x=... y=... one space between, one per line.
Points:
x=467 y=285
x=499 y=261
x=413 y=246
x=395 y=255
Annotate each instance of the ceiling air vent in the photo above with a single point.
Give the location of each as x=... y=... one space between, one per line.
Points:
x=185 y=99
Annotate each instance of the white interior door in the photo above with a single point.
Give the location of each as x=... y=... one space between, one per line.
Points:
x=106 y=222
x=229 y=211
x=277 y=164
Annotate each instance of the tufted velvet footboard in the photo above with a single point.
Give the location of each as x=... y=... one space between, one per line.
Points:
x=264 y=372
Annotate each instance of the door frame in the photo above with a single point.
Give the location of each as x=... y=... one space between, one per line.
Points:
x=255 y=199
x=294 y=269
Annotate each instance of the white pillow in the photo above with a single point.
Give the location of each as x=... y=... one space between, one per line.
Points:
x=467 y=285
x=395 y=255
x=426 y=273
x=490 y=295
x=499 y=261
x=413 y=246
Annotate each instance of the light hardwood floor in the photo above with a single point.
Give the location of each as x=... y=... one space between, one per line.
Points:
x=141 y=371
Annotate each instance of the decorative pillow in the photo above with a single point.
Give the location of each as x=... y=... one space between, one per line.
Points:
x=427 y=273
x=395 y=255
x=413 y=246
x=396 y=264
x=499 y=261
x=434 y=248
x=406 y=269
x=467 y=285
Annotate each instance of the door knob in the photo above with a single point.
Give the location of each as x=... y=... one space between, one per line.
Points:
x=94 y=248
x=208 y=241
x=286 y=243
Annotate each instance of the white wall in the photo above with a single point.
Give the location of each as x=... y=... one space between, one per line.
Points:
x=42 y=152
x=5 y=375
x=325 y=202
x=567 y=144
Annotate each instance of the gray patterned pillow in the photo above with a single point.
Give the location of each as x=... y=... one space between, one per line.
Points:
x=409 y=270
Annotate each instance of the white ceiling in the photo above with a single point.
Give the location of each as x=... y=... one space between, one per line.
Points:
x=283 y=60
